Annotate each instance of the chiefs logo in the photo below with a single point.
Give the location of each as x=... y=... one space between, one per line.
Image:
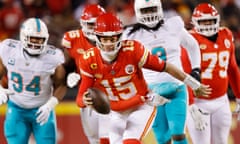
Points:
x=129 y=69
x=202 y=46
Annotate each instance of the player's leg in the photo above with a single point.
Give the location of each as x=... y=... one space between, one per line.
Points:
x=47 y=133
x=176 y=112
x=139 y=123
x=221 y=123
x=197 y=136
x=103 y=122
x=16 y=128
x=160 y=126
x=118 y=122
x=89 y=119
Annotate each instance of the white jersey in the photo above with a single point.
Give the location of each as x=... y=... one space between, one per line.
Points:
x=166 y=42
x=29 y=77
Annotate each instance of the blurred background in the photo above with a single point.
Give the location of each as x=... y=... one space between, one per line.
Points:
x=63 y=15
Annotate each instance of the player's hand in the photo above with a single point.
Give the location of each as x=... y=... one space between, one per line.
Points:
x=203 y=90
x=45 y=110
x=87 y=100
x=4 y=93
x=197 y=115
x=73 y=79
x=237 y=109
x=154 y=99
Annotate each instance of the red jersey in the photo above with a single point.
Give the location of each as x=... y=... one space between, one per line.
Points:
x=187 y=68
x=218 y=63
x=121 y=80
x=75 y=42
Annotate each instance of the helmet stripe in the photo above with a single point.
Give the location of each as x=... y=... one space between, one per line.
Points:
x=38 y=25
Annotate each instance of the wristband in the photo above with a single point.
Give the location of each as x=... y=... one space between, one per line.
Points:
x=191 y=82
x=52 y=102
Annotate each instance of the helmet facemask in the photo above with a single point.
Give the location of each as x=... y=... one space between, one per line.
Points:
x=88 y=28
x=109 y=46
x=148 y=13
x=207 y=29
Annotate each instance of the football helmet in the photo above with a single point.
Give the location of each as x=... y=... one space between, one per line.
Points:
x=88 y=19
x=206 y=11
x=151 y=17
x=109 y=28
x=34 y=28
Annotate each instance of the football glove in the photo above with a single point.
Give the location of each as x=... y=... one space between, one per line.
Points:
x=197 y=115
x=45 y=110
x=237 y=109
x=154 y=99
x=73 y=79
x=195 y=73
x=4 y=93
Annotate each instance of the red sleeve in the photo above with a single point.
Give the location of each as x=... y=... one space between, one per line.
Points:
x=154 y=63
x=86 y=82
x=234 y=75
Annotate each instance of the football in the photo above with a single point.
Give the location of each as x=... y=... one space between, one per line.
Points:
x=100 y=100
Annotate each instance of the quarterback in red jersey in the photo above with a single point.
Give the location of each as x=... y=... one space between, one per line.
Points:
x=115 y=67
x=75 y=43
x=218 y=69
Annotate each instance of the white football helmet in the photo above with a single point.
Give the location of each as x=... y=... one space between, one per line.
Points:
x=206 y=11
x=148 y=19
x=33 y=27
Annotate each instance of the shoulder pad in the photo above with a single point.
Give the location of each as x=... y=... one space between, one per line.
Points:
x=10 y=43
x=174 y=24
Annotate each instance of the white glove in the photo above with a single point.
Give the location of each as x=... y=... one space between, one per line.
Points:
x=154 y=99
x=4 y=95
x=197 y=115
x=73 y=79
x=44 y=111
x=237 y=109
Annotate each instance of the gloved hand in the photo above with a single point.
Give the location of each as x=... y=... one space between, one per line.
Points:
x=197 y=115
x=4 y=95
x=237 y=109
x=196 y=73
x=44 y=111
x=73 y=79
x=154 y=99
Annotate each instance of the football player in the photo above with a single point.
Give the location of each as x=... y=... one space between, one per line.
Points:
x=219 y=68
x=115 y=67
x=75 y=43
x=164 y=37
x=36 y=84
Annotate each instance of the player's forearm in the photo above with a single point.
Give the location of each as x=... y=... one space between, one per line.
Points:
x=175 y=72
x=182 y=76
x=60 y=91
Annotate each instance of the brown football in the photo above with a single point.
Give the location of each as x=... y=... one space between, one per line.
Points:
x=100 y=100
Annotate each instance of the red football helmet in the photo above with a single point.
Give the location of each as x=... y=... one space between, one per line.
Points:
x=206 y=11
x=109 y=28
x=88 y=19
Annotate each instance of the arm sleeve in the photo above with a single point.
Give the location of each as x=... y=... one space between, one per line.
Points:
x=234 y=75
x=191 y=45
x=154 y=63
